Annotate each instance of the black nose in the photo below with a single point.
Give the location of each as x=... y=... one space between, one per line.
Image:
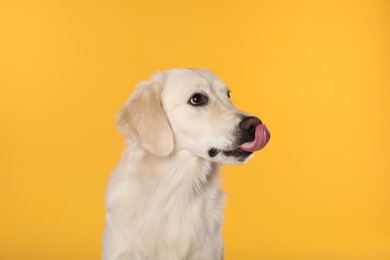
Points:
x=248 y=125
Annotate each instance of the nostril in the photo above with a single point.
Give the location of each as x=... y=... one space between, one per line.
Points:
x=249 y=124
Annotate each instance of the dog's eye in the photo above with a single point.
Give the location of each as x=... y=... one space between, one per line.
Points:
x=228 y=93
x=198 y=99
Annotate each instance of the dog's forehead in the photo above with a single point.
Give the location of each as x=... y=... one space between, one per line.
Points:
x=192 y=79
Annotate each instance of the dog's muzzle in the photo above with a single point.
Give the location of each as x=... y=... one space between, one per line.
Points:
x=253 y=135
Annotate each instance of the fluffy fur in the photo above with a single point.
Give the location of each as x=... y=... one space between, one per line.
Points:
x=164 y=200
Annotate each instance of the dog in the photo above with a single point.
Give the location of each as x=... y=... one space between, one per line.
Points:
x=164 y=200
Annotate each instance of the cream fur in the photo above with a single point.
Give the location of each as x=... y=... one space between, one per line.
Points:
x=164 y=200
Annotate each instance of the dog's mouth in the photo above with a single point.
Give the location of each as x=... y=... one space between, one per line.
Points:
x=262 y=136
x=238 y=153
x=241 y=155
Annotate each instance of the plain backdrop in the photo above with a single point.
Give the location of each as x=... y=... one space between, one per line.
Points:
x=316 y=72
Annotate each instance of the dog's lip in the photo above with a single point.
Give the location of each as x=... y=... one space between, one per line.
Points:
x=262 y=136
x=237 y=153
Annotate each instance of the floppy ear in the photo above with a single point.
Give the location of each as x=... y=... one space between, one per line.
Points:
x=144 y=120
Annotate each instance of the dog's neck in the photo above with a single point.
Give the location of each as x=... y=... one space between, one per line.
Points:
x=181 y=172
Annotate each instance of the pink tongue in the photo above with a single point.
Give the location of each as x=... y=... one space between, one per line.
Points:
x=262 y=136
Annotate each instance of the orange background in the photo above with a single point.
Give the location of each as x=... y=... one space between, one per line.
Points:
x=316 y=72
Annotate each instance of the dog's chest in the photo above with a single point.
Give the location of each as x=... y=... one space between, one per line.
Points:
x=180 y=220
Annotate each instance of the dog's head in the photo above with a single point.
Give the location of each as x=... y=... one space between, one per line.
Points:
x=190 y=109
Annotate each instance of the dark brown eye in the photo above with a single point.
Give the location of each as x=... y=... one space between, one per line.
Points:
x=198 y=99
x=228 y=93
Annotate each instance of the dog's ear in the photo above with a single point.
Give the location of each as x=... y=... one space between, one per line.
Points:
x=144 y=120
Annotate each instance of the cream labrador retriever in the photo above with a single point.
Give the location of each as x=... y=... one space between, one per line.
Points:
x=164 y=200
